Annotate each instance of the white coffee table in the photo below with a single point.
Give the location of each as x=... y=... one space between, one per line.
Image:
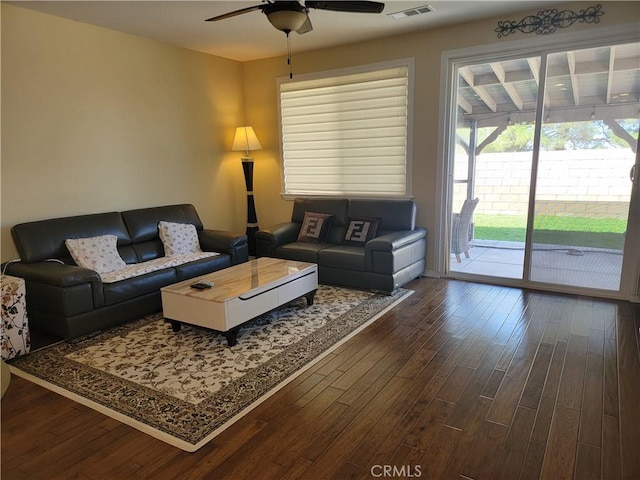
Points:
x=240 y=293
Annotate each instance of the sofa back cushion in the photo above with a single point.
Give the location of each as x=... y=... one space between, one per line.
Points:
x=143 y=223
x=337 y=207
x=394 y=215
x=45 y=239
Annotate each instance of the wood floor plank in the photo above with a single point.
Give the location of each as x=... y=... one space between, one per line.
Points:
x=560 y=452
x=436 y=460
x=588 y=466
x=629 y=390
x=468 y=436
x=428 y=424
x=289 y=432
x=487 y=337
x=532 y=467
x=552 y=383
x=341 y=446
x=389 y=355
x=592 y=411
x=573 y=373
x=506 y=400
x=297 y=470
x=610 y=397
x=512 y=344
x=460 y=381
x=324 y=429
x=399 y=418
x=492 y=386
x=455 y=384
x=461 y=411
x=483 y=456
x=515 y=448
x=535 y=381
x=611 y=459
x=432 y=385
x=544 y=416
x=422 y=357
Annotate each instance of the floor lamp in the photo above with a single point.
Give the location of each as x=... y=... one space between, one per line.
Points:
x=245 y=140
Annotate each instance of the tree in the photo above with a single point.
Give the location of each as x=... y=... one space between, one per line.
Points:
x=594 y=134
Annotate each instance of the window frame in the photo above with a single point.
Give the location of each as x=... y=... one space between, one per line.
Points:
x=409 y=63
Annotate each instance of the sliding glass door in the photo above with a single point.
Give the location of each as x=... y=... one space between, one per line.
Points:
x=543 y=147
x=582 y=185
x=495 y=121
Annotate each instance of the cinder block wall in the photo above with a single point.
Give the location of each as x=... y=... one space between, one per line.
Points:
x=583 y=183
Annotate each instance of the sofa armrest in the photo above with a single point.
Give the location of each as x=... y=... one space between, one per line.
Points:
x=393 y=252
x=235 y=244
x=269 y=238
x=59 y=275
x=392 y=241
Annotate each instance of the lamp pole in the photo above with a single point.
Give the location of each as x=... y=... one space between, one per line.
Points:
x=252 y=218
x=245 y=140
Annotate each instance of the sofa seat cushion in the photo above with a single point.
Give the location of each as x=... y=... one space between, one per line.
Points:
x=344 y=257
x=301 y=251
x=202 y=266
x=137 y=286
x=137 y=269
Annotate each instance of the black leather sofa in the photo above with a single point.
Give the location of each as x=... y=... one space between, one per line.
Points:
x=69 y=301
x=392 y=258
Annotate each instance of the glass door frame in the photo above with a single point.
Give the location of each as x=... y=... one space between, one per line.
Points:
x=541 y=47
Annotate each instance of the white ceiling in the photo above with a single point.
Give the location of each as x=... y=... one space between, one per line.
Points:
x=250 y=36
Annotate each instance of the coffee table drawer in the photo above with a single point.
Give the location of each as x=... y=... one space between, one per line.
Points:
x=244 y=308
x=195 y=311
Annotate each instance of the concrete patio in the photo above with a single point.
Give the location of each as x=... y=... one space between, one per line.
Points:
x=558 y=264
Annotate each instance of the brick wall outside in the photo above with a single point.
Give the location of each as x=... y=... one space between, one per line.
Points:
x=583 y=183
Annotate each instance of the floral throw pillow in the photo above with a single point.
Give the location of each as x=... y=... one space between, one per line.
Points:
x=96 y=253
x=315 y=227
x=179 y=238
x=360 y=230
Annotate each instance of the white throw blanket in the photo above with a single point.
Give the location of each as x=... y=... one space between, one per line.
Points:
x=141 y=268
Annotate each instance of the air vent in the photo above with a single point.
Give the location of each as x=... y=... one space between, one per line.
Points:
x=412 y=12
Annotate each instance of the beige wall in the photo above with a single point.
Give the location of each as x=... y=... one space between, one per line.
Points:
x=95 y=120
x=426 y=47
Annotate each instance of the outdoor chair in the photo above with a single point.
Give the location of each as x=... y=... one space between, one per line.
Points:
x=460 y=235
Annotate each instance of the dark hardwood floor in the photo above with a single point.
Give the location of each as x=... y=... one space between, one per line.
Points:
x=460 y=381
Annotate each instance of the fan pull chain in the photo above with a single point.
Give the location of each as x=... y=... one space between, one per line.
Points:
x=289 y=55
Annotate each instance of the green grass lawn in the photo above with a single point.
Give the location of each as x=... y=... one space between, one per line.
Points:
x=569 y=231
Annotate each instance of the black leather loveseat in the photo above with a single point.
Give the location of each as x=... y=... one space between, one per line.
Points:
x=69 y=301
x=372 y=244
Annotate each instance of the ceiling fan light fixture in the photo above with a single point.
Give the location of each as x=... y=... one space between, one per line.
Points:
x=286 y=20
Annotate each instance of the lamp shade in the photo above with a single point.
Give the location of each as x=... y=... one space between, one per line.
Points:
x=245 y=140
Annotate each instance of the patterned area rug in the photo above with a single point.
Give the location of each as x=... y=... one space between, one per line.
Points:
x=185 y=387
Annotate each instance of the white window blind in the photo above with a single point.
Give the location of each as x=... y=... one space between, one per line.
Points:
x=346 y=134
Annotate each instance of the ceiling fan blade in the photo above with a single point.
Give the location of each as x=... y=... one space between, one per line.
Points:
x=235 y=13
x=347 y=6
x=306 y=27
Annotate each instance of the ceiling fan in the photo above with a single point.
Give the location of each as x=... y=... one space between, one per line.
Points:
x=292 y=16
